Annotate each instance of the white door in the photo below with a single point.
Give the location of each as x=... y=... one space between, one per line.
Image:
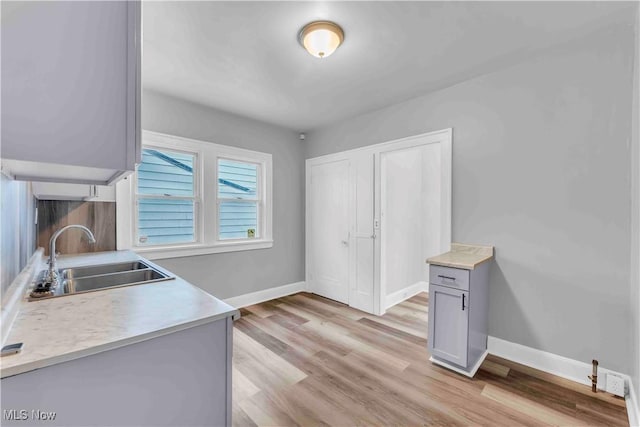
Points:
x=363 y=234
x=329 y=230
x=373 y=216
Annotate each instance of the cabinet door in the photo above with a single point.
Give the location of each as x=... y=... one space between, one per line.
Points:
x=69 y=83
x=448 y=324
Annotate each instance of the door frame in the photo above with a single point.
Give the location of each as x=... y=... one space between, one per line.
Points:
x=444 y=137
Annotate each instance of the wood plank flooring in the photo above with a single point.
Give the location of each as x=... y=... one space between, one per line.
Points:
x=309 y=361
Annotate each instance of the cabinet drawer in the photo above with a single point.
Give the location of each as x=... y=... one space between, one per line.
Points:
x=456 y=278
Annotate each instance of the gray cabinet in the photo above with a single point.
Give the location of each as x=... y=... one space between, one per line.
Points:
x=458 y=309
x=70 y=90
x=182 y=378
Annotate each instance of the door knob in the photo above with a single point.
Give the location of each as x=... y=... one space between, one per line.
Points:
x=344 y=242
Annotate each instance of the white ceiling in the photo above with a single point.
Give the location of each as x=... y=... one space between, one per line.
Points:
x=243 y=57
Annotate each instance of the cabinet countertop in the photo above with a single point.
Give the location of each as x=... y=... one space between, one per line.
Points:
x=463 y=256
x=61 y=329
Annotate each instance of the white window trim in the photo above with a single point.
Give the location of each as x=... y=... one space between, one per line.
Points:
x=206 y=219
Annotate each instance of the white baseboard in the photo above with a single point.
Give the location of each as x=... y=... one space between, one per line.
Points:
x=266 y=295
x=561 y=366
x=404 y=294
x=633 y=409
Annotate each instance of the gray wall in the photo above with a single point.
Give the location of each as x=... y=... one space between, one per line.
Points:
x=635 y=216
x=540 y=170
x=235 y=273
x=17 y=229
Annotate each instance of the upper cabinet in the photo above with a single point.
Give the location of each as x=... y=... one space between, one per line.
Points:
x=70 y=90
x=57 y=191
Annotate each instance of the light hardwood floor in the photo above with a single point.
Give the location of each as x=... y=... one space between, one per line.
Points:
x=306 y=360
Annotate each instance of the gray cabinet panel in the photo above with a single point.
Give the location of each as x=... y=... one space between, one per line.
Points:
x=479 y=312
x=182 y=378
x=449 y=324
x=70 y=84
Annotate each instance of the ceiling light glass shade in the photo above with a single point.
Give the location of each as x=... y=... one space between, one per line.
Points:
x=321 y=38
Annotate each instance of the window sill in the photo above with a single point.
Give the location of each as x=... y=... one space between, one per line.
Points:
x=200 y=249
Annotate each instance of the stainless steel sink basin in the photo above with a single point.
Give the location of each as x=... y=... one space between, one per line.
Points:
x=92 y=283
x=94 y=270
x=97 y=277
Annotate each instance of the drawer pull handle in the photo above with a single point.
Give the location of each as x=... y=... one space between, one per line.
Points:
x=446 y=277
x=462 y=302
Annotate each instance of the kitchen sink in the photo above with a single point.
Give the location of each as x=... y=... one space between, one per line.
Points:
x=92 y=283
x=95 y=270
x=98 y=277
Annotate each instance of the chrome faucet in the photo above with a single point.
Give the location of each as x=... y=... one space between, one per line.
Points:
x=52 y=275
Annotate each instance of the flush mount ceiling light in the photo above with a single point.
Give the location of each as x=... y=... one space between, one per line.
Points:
x=321 y=38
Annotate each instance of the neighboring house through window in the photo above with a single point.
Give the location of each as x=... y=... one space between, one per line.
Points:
x=166 y=198
x=238 y=199
x=192 y=197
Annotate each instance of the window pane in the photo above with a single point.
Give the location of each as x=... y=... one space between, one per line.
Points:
x=165 y=173
x=237 y=180
x=162 y=221
x=238 y=220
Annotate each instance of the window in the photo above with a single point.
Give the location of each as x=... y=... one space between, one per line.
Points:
x=166 y=198
x=192 y=197
x=238 y=200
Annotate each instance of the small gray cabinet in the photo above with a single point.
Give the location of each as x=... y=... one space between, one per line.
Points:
x=70 y=90
x=458 y=309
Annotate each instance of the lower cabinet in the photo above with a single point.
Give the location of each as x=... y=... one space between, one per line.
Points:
x=182 y=378
x=458 y=315
x=449 y=324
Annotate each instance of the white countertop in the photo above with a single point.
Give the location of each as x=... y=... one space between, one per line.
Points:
x=69 y=327
x=463 y=256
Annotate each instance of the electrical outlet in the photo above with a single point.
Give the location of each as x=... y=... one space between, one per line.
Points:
x=615 y=385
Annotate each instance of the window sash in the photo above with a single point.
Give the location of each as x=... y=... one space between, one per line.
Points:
x=259 y=172
x=259 y=220
x=195 y=199
x=194 y=221
x=167 y=152
x=151 y=196
x=257 y=200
